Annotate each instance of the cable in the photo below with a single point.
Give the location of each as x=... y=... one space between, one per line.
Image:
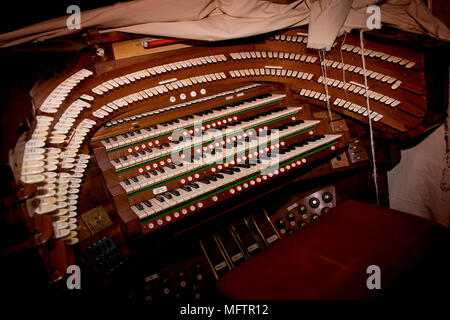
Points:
x=324 y=75
x=343 y=69
x=372 y=145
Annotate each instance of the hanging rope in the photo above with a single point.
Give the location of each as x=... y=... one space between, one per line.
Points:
x=372 y=145
x=343 y=70
x=325 y=82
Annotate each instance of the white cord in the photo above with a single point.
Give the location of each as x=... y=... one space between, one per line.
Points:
x=343 y=69
x=325 y=81
x=372 y=145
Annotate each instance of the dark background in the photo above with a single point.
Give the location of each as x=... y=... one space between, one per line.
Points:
x=16 y=14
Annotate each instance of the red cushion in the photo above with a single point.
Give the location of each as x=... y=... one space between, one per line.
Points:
x=328 y=258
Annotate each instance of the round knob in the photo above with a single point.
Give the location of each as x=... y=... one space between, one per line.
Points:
x=289 y=231
x=327 y=197
x=148 y=298
x=181 y=275
x=325 y=210
x=301 y=209
x=132 y=295
x=196 y=268
x=280 y=223
x=314 y=202
x=290 y=216
x=166 y=291
x=313 y=217
x=301 y=224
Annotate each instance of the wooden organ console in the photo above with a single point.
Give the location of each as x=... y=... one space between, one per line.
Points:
x=126 y=159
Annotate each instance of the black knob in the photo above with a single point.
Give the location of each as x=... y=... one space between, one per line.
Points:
x=289 y=231
x=132 y=296
x=327 y=197
x=301 y=224
x=314 y=202
x=180 y=275
x=313 y=217
x=280 y=223
x=197 y=271
x=325 y=210
x=166 y=291
x=196 y=295
x=301 y=209
x=165 y=286
x=178 y=295
x=290 y=216
x=196 y=268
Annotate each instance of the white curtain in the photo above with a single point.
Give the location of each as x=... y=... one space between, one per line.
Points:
x=213 y=20
x=420 y=183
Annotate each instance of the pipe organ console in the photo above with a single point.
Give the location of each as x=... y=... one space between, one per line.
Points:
x=125 y=156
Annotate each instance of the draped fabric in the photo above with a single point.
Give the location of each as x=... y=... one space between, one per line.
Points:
x=213 y=20
x=420 y=183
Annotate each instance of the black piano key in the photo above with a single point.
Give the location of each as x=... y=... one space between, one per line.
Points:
x=175 y=193
x=167 y=195
x=161 y=170
x=148 y=203
x=160 y=198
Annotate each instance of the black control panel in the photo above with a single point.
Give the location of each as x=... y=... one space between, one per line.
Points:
x=303 y=209
x=105 y=255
